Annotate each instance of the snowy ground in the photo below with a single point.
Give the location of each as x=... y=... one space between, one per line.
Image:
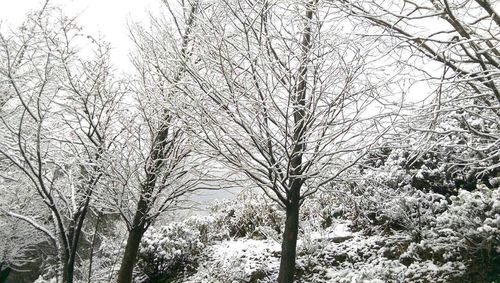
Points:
x=240 y=242
x=336 y=255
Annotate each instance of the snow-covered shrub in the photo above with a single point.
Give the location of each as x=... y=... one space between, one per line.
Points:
x=168 y=252
x=464 y=230
x=374 y=258
x=322 y=209
x=409 y=236
x=398 y=168
x=240 y=260
x=461 y=228
x=249 y=215
x=397 y=188
x=439 y=163
x=468 y=230
x=204 y=226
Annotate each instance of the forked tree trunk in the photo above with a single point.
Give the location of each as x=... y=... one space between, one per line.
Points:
x=74 y=236
x=133 y=241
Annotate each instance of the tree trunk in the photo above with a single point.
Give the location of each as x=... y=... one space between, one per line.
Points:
x=289 y=243
x=4 y=273
x=67 y=274
x=69 y=264
x=130 y=255
x=133 y=241
x=92 y=245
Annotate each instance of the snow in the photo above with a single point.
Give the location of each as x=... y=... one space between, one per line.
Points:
x=237 y=260
x=338 y=254
x=339 y=230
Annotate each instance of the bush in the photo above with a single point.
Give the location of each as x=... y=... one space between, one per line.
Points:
x=169 y=252
x=250 y=215
x=463 y=229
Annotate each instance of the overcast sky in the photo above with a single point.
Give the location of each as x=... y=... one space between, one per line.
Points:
x=109 y=17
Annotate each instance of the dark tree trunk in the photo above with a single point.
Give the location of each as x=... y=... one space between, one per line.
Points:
x=130 y=255
x=92 y=245
x=69 y=266
x=70 y=271
x=139 y=222
x=133 y=241
x=289 y=242
x=163 y=149
x=67 y=274
x=73 y=239
x=4 y=274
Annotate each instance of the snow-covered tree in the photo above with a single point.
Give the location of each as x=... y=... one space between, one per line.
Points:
x=160 y=167
x=283 y=98
x=56 y=125
x=461 y=38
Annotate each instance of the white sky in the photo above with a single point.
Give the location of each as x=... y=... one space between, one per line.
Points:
x=107 y=17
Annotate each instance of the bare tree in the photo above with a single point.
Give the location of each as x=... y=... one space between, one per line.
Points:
x=55 y=125
x=463 y=37
x=282 y=97
x=167 y=171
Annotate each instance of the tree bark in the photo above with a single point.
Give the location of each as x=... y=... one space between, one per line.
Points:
x=130 y=255
x=67 y=276
x=289 y=242
x=139 y=222
x=133 y=241
x=69 y=273
x=73 y=240
x=163 y=148
x=92 y=245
